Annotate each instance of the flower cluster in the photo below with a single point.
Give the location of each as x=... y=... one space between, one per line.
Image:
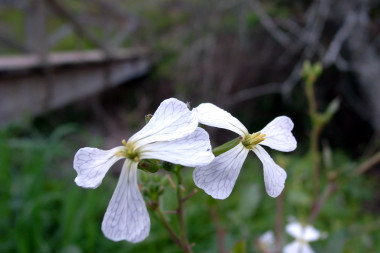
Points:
x=173 y=135
x=303 y=234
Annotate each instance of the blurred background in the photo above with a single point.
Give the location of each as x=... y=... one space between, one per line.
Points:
x=84 y=73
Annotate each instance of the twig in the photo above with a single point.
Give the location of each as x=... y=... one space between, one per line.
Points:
x=172 y=184
x=181 y=215
x=189 y=195
x=254 y=92
x=330 y=188
x=292 y=79
x=337 y=42
x=279 y=227
x=169 y=228
x=369 y=163
x=60 y=10
x=268 y=24
x=10 y=42
x=315 y=132
x=220 y=232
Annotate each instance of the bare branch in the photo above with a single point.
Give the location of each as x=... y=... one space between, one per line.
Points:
x=60 y=10
x=268 y=24
x=255 y=92
x=337 y=43
x=59 y=34
x=8 y=41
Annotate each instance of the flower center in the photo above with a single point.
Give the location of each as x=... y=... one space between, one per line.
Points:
x=129 y=151
x=251 y=140
x=302 y=241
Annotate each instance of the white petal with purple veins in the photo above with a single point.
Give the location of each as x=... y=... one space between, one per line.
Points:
x=172 y=120
x=126 y=217
x=191 y=150
x=218 y=178
x=274 y=175
x=279 y=134
x=92 y=165
x=211 y=115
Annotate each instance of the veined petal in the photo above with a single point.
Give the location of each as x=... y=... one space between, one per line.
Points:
x=126 y=217
x=278 y=134
x=211 y=115
x=218 y=178
x=298 y=247
x=92 y=165
x=274 y=175
x=172 y=120
x=191 y=150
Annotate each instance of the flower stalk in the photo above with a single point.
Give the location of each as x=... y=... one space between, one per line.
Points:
x=167 y=226
x=181 y=213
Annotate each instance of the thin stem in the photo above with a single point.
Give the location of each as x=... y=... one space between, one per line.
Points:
x=181 y=215
x=315 y=131
x=330 y=188
x=220 y=232
x=279 y=223
x=167 y=226
x=369 y=163
x=316 y=157
x=189 y=195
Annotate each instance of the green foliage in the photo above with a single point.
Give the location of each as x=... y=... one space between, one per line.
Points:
x=42 y=210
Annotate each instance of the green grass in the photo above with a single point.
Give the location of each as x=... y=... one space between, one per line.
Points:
x=42 y=209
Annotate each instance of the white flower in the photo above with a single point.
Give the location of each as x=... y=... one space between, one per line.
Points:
x=171 y=135
x=267 y=242
x=218 y=178
x=303 y=235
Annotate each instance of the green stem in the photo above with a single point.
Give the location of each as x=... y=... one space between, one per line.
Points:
x=181 y=214
x=317 y=206
x=315 y=132
x=368 y=164
x=279 y=225
x=167 y=226
x=316 y=157
x=226 y=146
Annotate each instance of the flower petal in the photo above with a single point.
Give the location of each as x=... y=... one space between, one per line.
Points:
x=211 y=115
x=172 y=120
x=298 y=247
x=308 y=233
x=92 y=165
x=274 y=175
x=279 y=135
x=311 y=234
x=126 y=217
x=218 y=178
x=191 y=150
x=295 y=229
x=267 y=241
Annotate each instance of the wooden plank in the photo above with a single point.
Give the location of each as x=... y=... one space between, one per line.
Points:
x=28 y=95
x=26 y=62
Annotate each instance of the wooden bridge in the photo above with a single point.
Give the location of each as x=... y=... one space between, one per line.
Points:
x=37 y=75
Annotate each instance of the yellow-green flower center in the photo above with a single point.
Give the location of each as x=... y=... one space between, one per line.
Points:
x=129 y=151
x=303 y=241
x=251 y=140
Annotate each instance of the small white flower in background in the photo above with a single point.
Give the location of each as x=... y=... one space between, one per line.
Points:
x=218 y=178
x=303 y=235
x=267 y=242
x=171 y=135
